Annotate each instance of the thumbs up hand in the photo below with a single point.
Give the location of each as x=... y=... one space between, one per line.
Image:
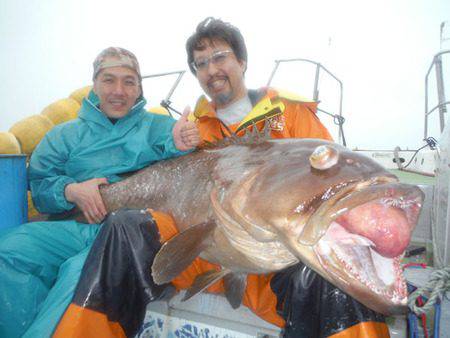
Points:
x=185 y=133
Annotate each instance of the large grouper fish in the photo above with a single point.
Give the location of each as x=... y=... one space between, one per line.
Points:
x=261 y=206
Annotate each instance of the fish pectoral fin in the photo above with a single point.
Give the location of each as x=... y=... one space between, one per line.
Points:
x=178 y=253
x=235 y=284
x=203 y=281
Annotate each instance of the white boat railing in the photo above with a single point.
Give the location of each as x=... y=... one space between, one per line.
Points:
x=165 y=103
x=442 y=102
x=338 y=119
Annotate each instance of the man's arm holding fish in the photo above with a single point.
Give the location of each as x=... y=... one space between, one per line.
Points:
x=86 y=196
x=54 y=191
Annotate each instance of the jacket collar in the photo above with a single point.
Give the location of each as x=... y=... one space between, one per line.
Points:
x=91 y=112
x=256 y=95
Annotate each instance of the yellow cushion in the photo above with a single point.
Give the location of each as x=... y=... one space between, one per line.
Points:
x=62 y=110
x=79 y=94
x=9 y=144
x=30 y=131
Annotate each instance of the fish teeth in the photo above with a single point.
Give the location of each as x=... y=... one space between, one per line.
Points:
x=396 y=294
x=355 y=272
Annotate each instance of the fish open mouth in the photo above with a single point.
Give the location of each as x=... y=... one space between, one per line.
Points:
x=363 y=235
x=354 y=256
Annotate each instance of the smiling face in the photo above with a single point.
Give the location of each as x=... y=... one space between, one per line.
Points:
x=118 y=89
x=222 y=79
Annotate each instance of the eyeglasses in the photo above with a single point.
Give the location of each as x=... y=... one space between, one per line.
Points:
x=217 y=58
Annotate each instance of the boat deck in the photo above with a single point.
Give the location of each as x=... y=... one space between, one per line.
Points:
x=413 y=178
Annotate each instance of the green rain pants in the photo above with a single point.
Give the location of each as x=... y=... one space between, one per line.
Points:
x=40 y=265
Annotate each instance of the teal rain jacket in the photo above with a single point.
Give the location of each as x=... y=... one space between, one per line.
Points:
x=78 y=150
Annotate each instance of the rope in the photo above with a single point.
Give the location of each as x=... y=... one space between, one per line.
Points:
x=436 y=286
x=430 y=142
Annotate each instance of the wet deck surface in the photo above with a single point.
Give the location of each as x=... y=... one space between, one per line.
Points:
x=412 y=178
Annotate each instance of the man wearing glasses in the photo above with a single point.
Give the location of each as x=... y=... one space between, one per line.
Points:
x=297 y=298
x=217 y=56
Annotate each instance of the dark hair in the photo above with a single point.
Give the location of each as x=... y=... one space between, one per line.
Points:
x=216 y=29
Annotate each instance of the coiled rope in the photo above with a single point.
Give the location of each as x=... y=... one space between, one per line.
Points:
x=434 y=290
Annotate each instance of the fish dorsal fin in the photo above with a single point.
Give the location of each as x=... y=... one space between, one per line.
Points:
x=204 y=280
x=253 y=136
x=235 y=284
x=179 y=252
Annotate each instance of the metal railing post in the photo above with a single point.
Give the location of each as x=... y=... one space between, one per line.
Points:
x=441 y=91
x=338 y=118
x=165 y=103
x=316 y=83
x=442 y=103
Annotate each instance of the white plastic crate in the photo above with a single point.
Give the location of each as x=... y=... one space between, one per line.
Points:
x=203 y=316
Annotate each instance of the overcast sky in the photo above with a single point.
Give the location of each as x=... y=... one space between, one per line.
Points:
x=380 y=50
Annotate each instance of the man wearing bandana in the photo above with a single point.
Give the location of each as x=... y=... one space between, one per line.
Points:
x=43 y=271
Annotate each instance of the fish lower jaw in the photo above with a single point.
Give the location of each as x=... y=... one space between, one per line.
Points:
x=396 y=291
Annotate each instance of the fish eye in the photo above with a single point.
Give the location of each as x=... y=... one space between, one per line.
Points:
x=324 y=157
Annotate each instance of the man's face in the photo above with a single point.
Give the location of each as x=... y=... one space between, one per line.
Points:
x=223 y=77
x=118 y=89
